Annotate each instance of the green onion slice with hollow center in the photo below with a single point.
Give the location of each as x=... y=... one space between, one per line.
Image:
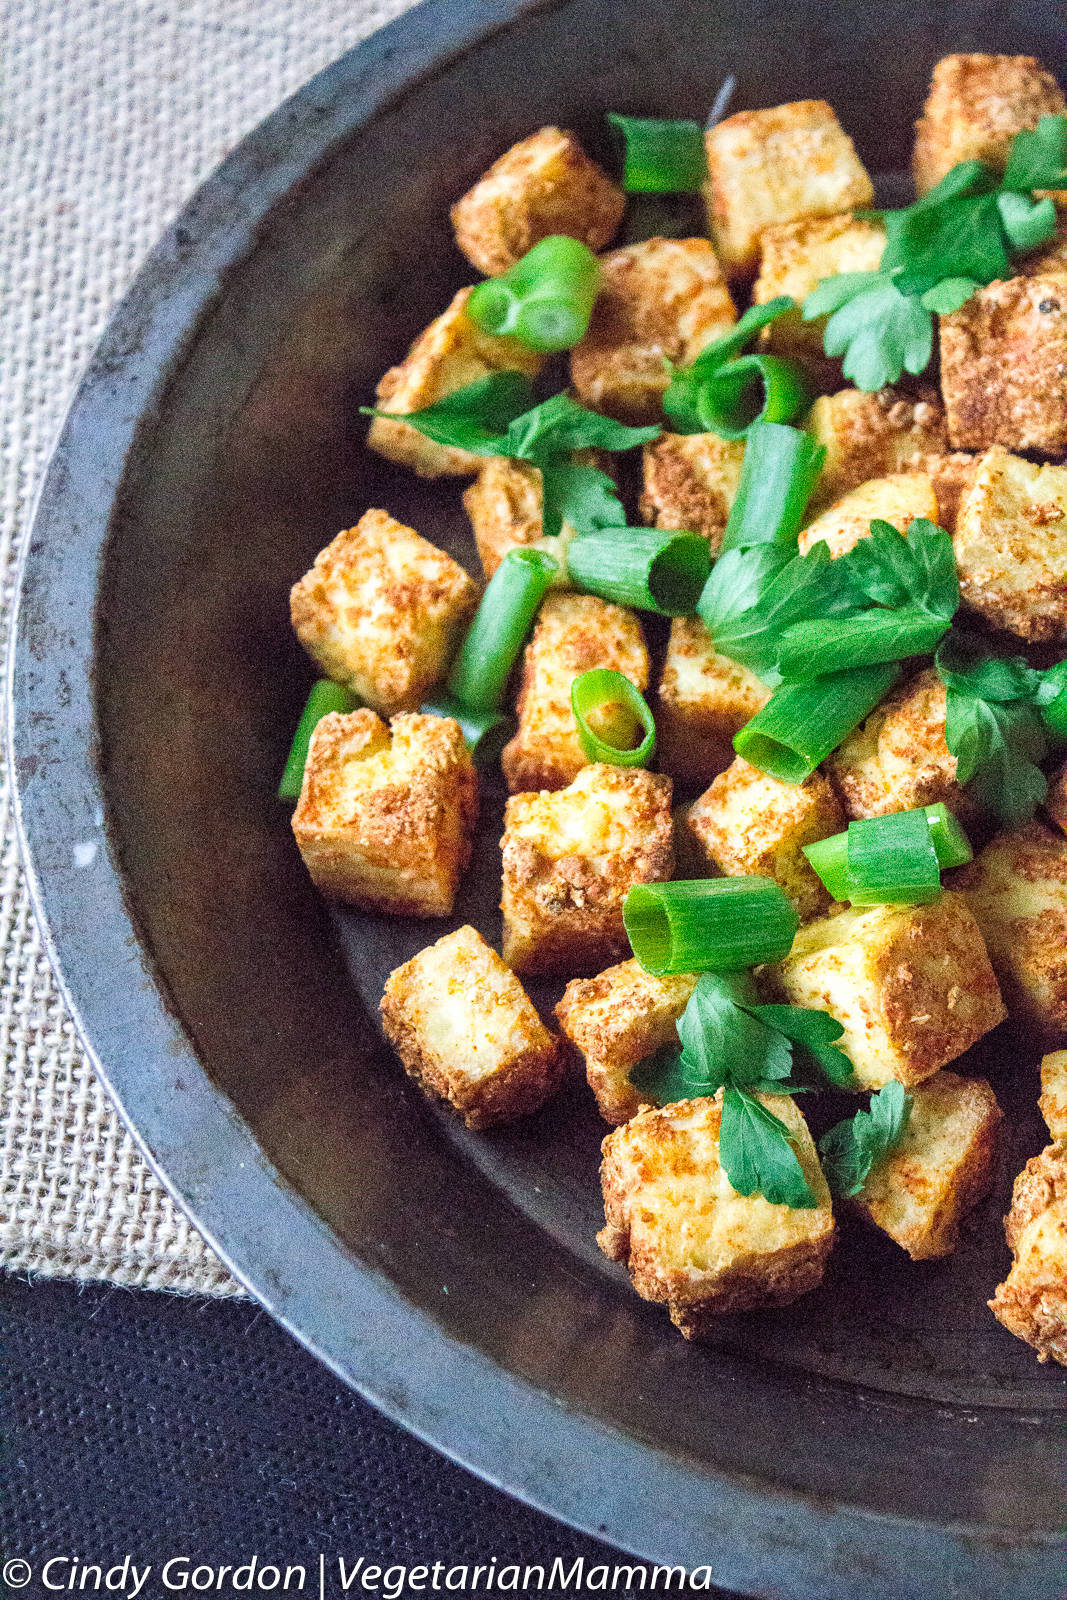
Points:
x=325 y=697
x=545 y=300
x=778 y=474
x=661 y=156
x=615 y=722
x=480 y=671
x=896 y=859
x=803 y=722
x=709 y=924
x=752 y=389
x=648 y=568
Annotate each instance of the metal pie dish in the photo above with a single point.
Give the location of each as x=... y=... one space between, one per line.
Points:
x=884 y=1436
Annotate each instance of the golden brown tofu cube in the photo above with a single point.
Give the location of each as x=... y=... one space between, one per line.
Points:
x=951 y=475
x=660 y=301
x=869 y=436
x=543 y=185
x=382 y=611
x=385 y=815
x=1032 y=1300
x=452 y=352
x=780 y=165
x=466 y=1031
x=574 y=632
x=897 y=760
x=688 y=1239
x=1004 y=367
x=912 y=986
x=571 y=858
x=704 y=699
x=897 y=500
x=942 y=1166
x=690 y=482
x=1053 y=1102
x=794 y=259
x=1017 y=889
x=1056 y=799
x=1011 y=546
x=615 y=1021
x=748 y=823
x=976 y=106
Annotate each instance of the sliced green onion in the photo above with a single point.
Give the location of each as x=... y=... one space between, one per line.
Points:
x=485 y=732
x=480 y=671
x=749 y=390
x=951 y=843
x=778 y=474
x=325 y=697
x=802 y=722
x=892 y=860
x=647 y=568
x=661 y=157
x=615 y=723
x=681 y=400
x=709 y=925
x=829 y=860
x=545 y=300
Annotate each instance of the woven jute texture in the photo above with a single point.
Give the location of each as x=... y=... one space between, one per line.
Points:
x=111 y=112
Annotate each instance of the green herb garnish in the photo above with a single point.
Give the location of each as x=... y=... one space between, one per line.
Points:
x=709 y=924
x=615 y=722
x=504 y=617
x=325 y=696
x=688 y=403
x=545 y=300
x=850 y=1149
x=661 y=156
x=647 y=568
x=803 y=722
x=913 y=856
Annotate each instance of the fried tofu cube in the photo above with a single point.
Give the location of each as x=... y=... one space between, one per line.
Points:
x=951 y=475
x=452 y=352
x=780 y=165
x=1004 y=367
x=1053 y=1102
x=897 y=760
x=1011 y=546
x=688 y=1239
x=1032 y=1300
x=543 y=185
x=466 y=1031
x=385 y=815
x=660 y=301
x=912 y=986
x=615 y=1021
x=1056 y=799
x=571 y=858
x=897 y=500
x=975 y=107
x=748 y=823
x=382 y=611
x=690 y=482
x=1017 y=889
x=794 y=259
x=942 y=1166
x=574 y=632
x=869 y=436
x=703 y=700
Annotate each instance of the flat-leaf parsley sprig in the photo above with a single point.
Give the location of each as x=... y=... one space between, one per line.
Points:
x=851 y=1148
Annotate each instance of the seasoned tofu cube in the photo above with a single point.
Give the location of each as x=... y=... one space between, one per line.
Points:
x=1056 y=799
x=452 y=352
x=912 y=986
x=1053 y=1102
x=780 y=165
x=385 y=815
x=660 y=301
x=869 y=436
x=504 y=504
x=1032 y=1300
x=382 y=611
x=748 y=823
x=897 y=760
x=615 y=1021
x=897 y=500
x=1004 y=367
x=976 y=106
x=466 y=1031
x=794 y=259
x=689 y=1240
x=571 y=858
x=941 y=1167
x=1017 y=889
x=574 y=632
x=543 y=185
x=690 y=482
x=951 y=475
x=704 y=699
x=1011 y=546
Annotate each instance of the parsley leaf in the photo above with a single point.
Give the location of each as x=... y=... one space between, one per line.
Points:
x=583 y=496
x=851 y=1148
x=994 y=725
x=757 y=1154
x=559 y=425
x=879 y=332
x=1038 y=157
x=476 y=417
x=680 y=402
x=816 y=1032
x=756 y=592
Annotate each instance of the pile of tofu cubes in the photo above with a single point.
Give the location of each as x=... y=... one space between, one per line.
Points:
x=390 y=795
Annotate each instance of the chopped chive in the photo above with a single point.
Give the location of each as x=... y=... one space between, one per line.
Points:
x=709 y=925
x=951 y=843
x=892 y=860
x=829 y=860
x=480 y=671
x=778 y=474
x=749 y=390
x=485 y=732
x=615 y=723
x=661 y=156
x=681 y=400
x=325 y=697
x=648 y=568
x=803 y=722
x=545 y=299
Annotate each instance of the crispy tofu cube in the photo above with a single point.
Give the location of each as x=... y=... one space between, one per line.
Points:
x=382 y=611
x=574 y=632
x=1056 y=799
x=1017 y=889
x=689 y=1240
x=1011 y=546
x=1032 y=1300
x=943 y=1165
x=748 y=823
x=976 y=106
x=869 y=436
x=690 y=482
x=794 y=258
x=452 y=352
x=1053 y=1102
x=661 y=300
x=704 y=699
x=385 y=815
x=571 y=858
x=543 y=185
x=897 y=500
x=466 y=1031
x=951 y=475
x=897 y=760
x=912 y=986
x=1004 y=367
x=615 y=1021
x=780 y=165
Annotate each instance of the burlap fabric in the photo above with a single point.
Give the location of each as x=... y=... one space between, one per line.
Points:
x=111 y=112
